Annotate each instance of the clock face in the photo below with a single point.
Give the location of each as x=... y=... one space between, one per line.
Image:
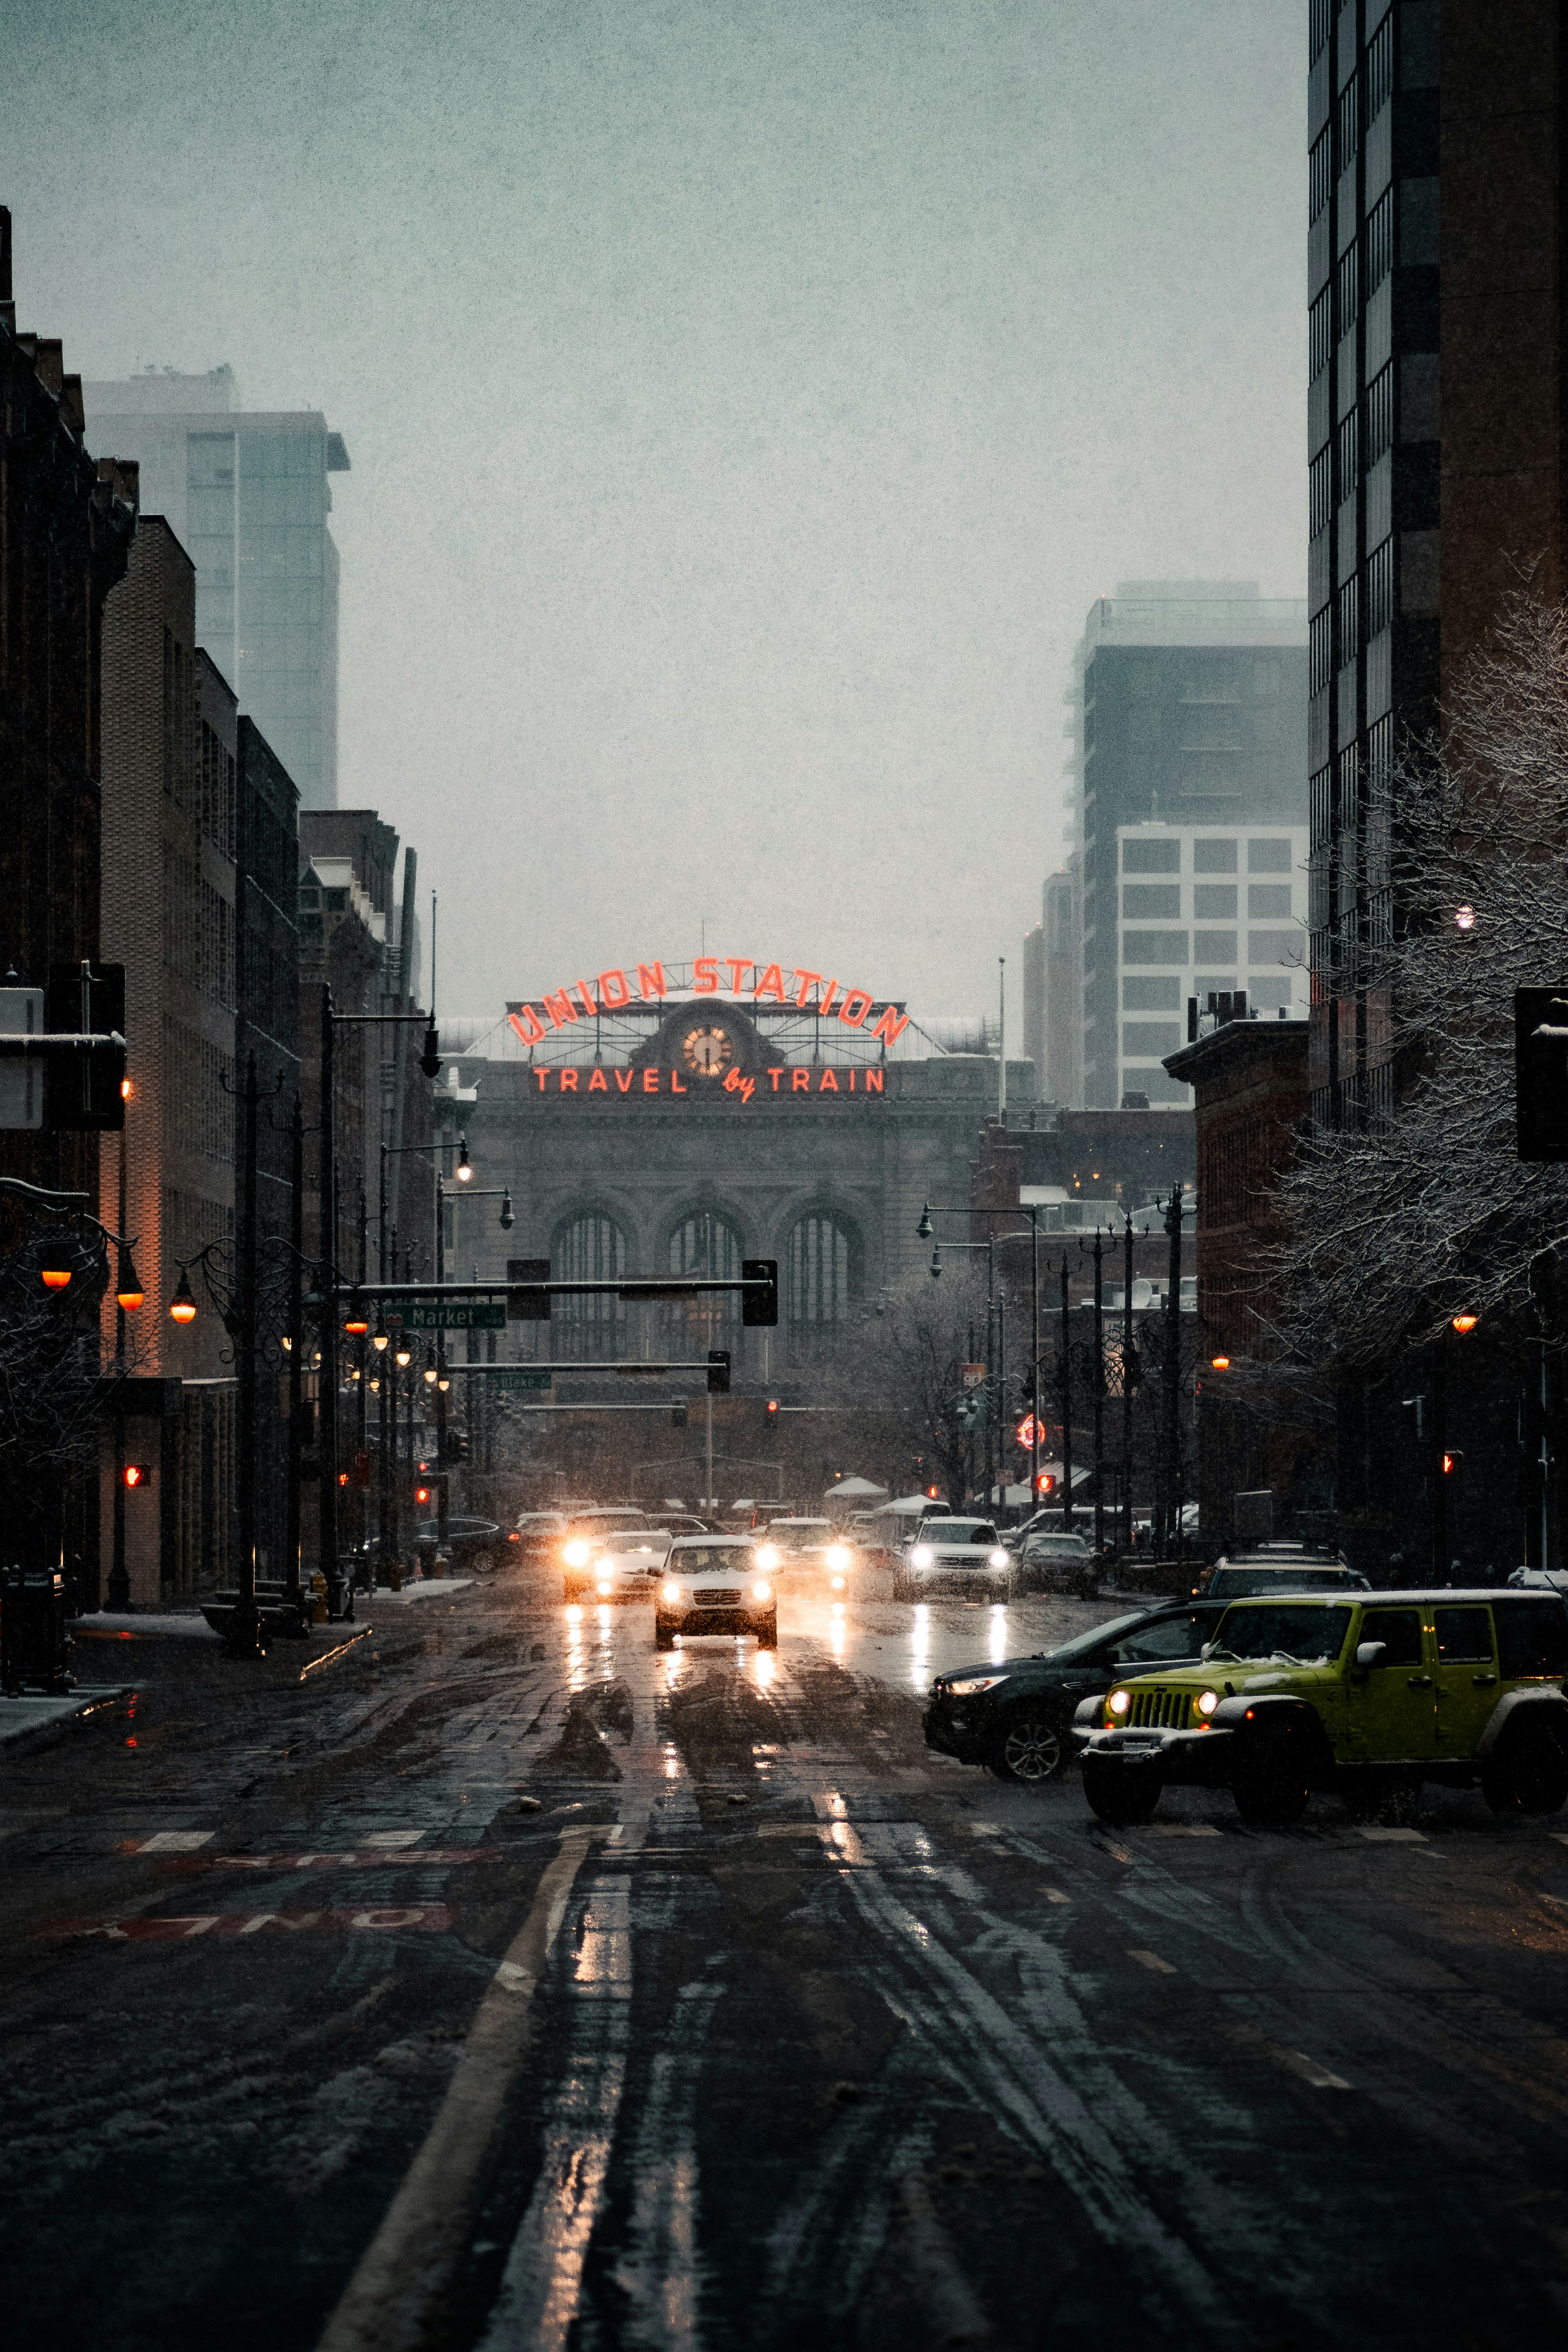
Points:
x=706 y=1053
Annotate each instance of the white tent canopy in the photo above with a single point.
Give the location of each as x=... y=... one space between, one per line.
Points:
x=853 y=1490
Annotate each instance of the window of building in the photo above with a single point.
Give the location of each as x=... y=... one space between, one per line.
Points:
x=1347 y=289
x=1380 y=69
x=1213 y=857
x=1159 y=902
x=1379 y=588
x=1215 y=901
x=1158 y=857
x=1377 y=243
x=1151 y=994
x=1320 y=650
x=1379 y=414
x=1276 y=947
x=1269 y=858
x=1154 y=947
x=1319 y=173
x=706 y=1244
x=1150 y=1040
x=590 y=1248
x=1214 y=947
x=1350 y=119
x=817 y=1259
x=1350 y=621
x=1320 y=492
x=1321 y=332
x=1268 y=901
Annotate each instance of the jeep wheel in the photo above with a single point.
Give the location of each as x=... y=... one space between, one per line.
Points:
x=1272 y=1794
x=1028 y=1748
x=1528 y=1774
x=1122 y=1798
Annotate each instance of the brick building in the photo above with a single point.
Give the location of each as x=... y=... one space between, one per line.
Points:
x=1249 y=1083
x=66 y=526
x=169 y=917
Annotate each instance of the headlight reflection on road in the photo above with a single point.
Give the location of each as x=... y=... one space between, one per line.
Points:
x=835 y=1628
x=920 y=1647
x=764 y=1666
x=998 y=1634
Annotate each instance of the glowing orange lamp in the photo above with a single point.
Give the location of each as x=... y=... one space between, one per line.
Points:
x=1466 y=1322
x=127 y=1291
x=182 y=1305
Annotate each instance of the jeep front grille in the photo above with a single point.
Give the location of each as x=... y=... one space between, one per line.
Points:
x=1158 y=1710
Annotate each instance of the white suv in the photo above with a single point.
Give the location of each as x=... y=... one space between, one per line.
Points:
x=715 y=1584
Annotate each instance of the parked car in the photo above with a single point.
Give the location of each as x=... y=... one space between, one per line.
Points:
x=1015 y=1717
x=475 y=1545
x=624 y=1569
x=964 y=1557
x=1278 y=1568
x=807 y=1551
x=1056 y=1563
x=715 y=1584
x=1350 y=1691
x=677 y=1523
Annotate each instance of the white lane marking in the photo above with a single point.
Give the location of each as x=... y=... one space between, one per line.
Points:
x=1394 y=1837
x=176 y=1842
x=1183 y=1828
x=1055 y=1895
x=1297 y=2062
x=817 y=1830
x=541 y=2284
x=984 y=1828
x=1117 y=1852
x=392 y=2301
x=980 y=2041
x=1152 y=1960
x=391 y=1838
x=657 y=2272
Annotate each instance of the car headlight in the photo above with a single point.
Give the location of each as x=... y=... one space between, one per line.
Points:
x=1208 y=1702
x=768 y=1557
x=837 y=1555
x=670 y=1590
x=1119 y=1702
x=921 y=1556
x=1000 y=1558
x=576 y=1553
x=606 y=1584
x=838 y=1584
x=762 y=1589
x=975 y=1683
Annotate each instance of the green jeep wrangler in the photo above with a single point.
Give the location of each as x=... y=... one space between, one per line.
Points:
x=1362 y=1695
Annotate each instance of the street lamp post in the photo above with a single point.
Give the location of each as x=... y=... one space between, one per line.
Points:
x=1024 y=1209
x=1128 y=1382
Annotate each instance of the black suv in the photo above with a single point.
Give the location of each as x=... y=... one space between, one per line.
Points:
x=1014 y=1717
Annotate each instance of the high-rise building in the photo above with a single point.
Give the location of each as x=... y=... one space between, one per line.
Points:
x=246 y=492
x=1435 y=422
x=1190 y=817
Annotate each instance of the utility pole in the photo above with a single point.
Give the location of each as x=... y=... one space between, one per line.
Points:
x=244 y=1637
x=1099 y=1396
x=1128 y=1382
x=443 y=1511
x=707 y=1496
x=1171 y=1503
x=328 y=1287
x=296 y=1357
x=1439 y=1449
x=119 y=1572
x=1066 y=1401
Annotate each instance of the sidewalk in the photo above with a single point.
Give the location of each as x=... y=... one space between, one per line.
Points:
x=19 y=1716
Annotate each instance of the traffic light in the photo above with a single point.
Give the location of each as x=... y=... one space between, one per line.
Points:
x=760 y=1306
x=770 y=1416
x=1452 y=1464
x=137 y=1473
x=422 y=1494
x=522 y=1305
x=717 y=1371
x=456 y=1448
x=1045 y=1484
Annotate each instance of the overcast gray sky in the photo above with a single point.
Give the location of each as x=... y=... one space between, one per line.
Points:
x=746 y=403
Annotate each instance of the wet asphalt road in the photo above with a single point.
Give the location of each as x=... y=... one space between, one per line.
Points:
x=768 y=2029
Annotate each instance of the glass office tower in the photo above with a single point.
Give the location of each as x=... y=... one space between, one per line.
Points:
x=246 y=492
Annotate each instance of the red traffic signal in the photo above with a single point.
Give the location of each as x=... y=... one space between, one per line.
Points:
x=773 y=1408
x=1045 y=1482
x=137 y=1473
x=422 y=1494
x=1452 y=1464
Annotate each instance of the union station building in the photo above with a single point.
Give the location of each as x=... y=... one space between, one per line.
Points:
x=671 y=1120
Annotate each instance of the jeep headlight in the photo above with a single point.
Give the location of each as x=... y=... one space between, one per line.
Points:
x=670 y=1590
x=576 y=1553
x=975 y=1683
x=762 y=1589
x=1206 y=1702
x=920 y=1557
x=837 y=1555
x=1119 y=1702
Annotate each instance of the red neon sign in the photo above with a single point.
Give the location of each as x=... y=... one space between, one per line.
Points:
x=807 y=991
x=638 y=1083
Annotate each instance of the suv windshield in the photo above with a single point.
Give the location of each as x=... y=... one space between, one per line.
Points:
x=799 y=1534
x=1308 y=1635
x=691 y=1558
x=958 y=1531
x=1231 y=1583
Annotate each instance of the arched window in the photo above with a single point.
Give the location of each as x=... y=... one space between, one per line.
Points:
x=706 y=1244
x=590 y=1249
x=817 y=1277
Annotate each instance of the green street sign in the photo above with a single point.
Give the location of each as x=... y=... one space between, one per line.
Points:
x=458 y=1314
x=528 y=1382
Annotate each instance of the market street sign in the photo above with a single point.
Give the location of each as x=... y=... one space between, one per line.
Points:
x=457 y=1315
